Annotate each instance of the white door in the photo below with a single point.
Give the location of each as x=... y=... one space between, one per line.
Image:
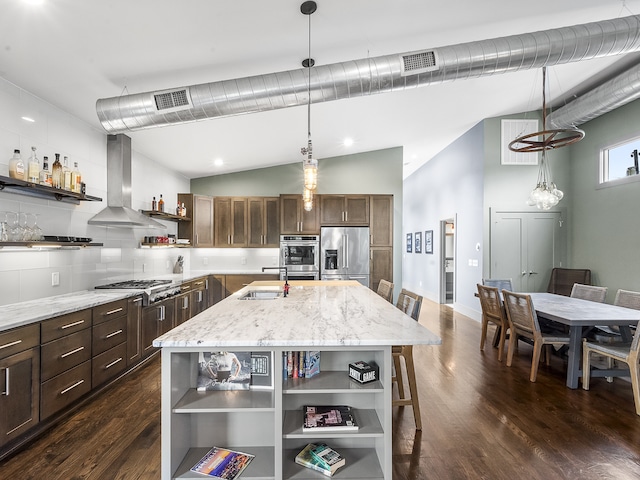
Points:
x=525 y=247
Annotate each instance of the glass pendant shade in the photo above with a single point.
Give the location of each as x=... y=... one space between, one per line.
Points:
x=307 y=199
x=310 y=169
x=546 y=195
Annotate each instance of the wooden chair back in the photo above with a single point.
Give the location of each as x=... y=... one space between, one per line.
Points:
x=588 y=292
x=562 y=280
x=385 y=290
x=410 y=303
x=491 y=304
x=629 y=299
x=522 y=316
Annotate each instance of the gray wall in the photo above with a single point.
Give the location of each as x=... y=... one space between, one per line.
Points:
x=448 y=186
x=378 y=172
x=606 y=222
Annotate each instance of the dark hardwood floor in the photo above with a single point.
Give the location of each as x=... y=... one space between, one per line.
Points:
x=481 y=420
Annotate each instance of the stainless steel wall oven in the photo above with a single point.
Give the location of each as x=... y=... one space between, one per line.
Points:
x=301 y=255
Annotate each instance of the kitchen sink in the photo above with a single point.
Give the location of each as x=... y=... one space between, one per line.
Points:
x=261 y=295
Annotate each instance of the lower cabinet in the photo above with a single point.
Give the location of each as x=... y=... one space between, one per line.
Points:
x=183 y=308
x=157 y=319
x=109 y=347
x=380 y=266
x=268 y=422
x=134 y=330
x=19 y=381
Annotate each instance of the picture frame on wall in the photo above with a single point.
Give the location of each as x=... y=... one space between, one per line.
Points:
x=409 y=242
x=428 y=241
x=418 y=242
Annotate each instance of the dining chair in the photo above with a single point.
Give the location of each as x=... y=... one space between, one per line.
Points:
x=621 y=352
x=562 y=279
x=499 y=283
x=493 y=311
x=385 y=290
x=410 y=303
x=523 y=322
x=588 y=292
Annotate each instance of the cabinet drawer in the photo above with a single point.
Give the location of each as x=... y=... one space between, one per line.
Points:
x=19 y=339
x=65 y=324
x=109 y=334
x=105 y=312
x=65 y=353
x=108 y=364
x=64 y=389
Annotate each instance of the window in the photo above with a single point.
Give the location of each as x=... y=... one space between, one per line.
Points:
x=619 y=161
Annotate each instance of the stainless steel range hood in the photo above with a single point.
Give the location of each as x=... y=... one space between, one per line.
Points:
x=118 y=212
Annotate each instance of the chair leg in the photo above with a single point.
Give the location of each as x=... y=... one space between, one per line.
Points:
x=537 y=350
x=484 y=332
x=610 y=365
x=398 y=377
x=586 y=366
x=513 y=339
x=413 y=388
x=503 y=337
x=635 y=383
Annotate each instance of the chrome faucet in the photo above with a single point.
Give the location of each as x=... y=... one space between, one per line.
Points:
x=286 y=278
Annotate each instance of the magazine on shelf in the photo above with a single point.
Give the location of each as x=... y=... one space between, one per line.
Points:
x=223 y=463
x=224 y=371
x=262 y=370
x=329 y=458
x=306 y=459
x=328 y=418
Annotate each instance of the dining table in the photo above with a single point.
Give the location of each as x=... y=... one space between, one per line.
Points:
x=581 y=316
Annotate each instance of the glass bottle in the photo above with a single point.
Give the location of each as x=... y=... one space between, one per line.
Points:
x=33 y=171
x=45 y=174
x=76 y=178
x=154 y=204
x=161 y=204
x=183 y=211
x=56 y=172
x=66 y=174
x=16 y=166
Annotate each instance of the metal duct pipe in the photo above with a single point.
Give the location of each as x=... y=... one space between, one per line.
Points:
x=615 y=93
x=370 y=75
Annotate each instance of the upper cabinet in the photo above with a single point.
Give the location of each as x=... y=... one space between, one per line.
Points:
x=381 y=220
x=294 y=219
x=344 y=210
x=264 y=221
x=200 y=230
x=230 y=220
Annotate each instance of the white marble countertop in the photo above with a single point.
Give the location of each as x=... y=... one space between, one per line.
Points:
x=314 y=316
x=24 y=313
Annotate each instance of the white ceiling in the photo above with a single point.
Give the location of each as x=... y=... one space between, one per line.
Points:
x=71 y=53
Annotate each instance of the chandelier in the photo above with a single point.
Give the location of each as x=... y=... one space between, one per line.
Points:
x=310 y=164
x=545 y=195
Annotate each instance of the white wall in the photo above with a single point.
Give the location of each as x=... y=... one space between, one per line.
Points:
x=448 y=186
x=26 y=275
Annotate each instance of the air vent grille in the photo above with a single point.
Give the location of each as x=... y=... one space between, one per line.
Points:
x=419 y=62
x=174 y=100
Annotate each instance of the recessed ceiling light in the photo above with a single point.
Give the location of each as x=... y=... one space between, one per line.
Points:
x=348 y=142
x=218 y=162
x=34 y=2
x=28 y=119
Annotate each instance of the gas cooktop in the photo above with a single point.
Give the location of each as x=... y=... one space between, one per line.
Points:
x=137 y=284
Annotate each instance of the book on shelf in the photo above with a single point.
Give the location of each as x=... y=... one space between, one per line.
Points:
x=328 y=457
x=223 y=463
x=224 y=371
x=328 y=418
x=306 y=459
x=300 y=364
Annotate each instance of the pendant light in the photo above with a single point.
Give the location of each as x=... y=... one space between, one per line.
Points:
x=545 y=195
x=310 y=164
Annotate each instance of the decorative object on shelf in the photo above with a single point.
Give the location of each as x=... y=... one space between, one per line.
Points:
x=310 y=164
x=428 y=241
x=363 y=372
x=328 y=418
x=16 y=166
x=15 y=185
x=306 y=459
x=328 y=457
x=545 y=195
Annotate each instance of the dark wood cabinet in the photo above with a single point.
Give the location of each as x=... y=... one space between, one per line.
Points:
x=134 y=330
x=380 y=265
x=264 y=221
x=157 y=319
x=233 y=283
x=19 y=381
x=183 y=308
x=199 y=296
x=338 y=210
x=217 y=288
x=230 y=221
x=381 y=221
x=295 y=219
x=199 y=230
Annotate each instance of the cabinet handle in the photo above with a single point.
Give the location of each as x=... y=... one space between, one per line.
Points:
x=71 y=387
x=346 y=216
x=109 y=365
x=137 y=300
x=7 y=345
x=196 y=239
x=76 y=350
x=199 y=296
x=185 y=287
x=199 y=283
x=371 y=239
x=113 y=334
x=6 y=382
x=69 y=325
x=206 y=284
x=185 y=303
x=113 y=311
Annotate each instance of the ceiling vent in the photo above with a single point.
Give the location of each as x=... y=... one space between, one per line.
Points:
x=419 y=62
x=172 y=100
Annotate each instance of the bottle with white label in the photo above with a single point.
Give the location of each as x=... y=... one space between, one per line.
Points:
x=16 y=166
x=45 y=174
x=76 y=179
x=66 y=174
x=33 y=170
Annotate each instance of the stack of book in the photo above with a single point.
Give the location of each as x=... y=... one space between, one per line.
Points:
x=328 y=418
x=321 y=458
x=300 y=364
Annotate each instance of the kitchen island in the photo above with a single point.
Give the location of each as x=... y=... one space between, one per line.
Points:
x=345 y=322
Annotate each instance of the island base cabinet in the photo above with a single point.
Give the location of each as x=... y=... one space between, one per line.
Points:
x=267 y=422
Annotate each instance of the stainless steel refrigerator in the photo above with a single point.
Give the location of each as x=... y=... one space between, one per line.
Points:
x=344 y=254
